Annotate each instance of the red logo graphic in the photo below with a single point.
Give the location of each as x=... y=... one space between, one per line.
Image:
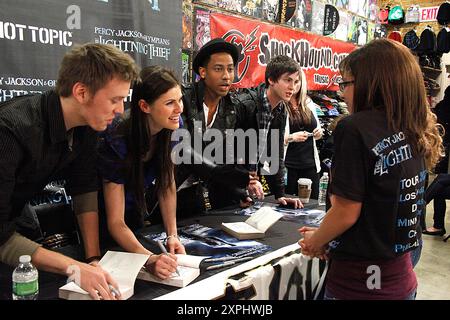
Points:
x=246 y=44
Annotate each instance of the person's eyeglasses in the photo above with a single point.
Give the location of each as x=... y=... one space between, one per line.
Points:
x=343 y=84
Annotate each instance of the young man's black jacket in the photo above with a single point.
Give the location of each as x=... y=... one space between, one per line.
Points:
x=251 y=100
x=225 y=182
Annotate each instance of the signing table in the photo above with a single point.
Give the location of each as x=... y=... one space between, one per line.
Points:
x=282 y=273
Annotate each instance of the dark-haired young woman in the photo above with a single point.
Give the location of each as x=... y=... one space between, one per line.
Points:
x=134 y=157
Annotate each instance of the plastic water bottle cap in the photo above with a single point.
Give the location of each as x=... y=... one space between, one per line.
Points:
x=325 y=174
x=24 y=259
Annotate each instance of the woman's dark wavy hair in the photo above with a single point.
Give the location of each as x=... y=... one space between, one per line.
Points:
x=154 y=81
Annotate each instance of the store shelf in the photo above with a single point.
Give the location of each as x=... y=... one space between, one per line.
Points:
x=431 y=71
x=433 y=91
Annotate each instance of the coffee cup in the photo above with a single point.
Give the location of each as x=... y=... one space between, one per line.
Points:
x=304 y=189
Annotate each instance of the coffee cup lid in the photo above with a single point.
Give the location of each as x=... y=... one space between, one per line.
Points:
x=304 y=181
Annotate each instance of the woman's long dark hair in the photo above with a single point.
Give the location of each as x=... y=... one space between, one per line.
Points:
x=154 y=81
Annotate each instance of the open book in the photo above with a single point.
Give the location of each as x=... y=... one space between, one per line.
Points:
x=254 y=227
x=188 y=267
x=122 y=266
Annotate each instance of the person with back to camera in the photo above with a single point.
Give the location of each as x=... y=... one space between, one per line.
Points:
x=382 y=153
x=53 y=136
x=302 y=157
x=134 y=155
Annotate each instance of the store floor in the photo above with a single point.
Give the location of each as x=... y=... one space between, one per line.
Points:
x=433 y=269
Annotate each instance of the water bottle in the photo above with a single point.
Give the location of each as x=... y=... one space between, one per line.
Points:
x=323 y=185
x=25 y=280
x=285 y=177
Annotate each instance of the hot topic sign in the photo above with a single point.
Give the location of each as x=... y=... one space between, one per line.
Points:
x=259 y=42
x=35 y=35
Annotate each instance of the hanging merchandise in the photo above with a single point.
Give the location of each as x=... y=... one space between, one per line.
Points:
x=427 y=41
x=370 y=31
x=230 y=5
x=303 y=15
x=443 y=15
x=270 y=10
x=383 y=15
x=360 y=7
x=318 y=17
x=187 y=25
x=252 y=8
x=380 y=31
x=362 y=32
x=340 y=3
x=411 y=40
x=287 y=11
x=331 y=20
x=342 y=28
x=396 y=15
x=443 y=41
x=354 y=30
x=413 y=14
x=396 y=36
x=374 y=10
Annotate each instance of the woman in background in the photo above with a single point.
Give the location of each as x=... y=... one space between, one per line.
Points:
x=303 y=129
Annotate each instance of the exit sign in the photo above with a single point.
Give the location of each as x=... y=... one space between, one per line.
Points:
x=428 y=14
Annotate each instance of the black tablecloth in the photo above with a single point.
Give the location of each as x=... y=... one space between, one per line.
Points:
x=282 y=233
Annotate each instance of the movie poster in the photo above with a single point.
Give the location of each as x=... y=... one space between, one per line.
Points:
x=317 y=20
x=209 y=2
x=343 y=4
x=360 y=7
x=270 y=10
x=187 y=25
x=370 y=31
x=302 y=17
x=202 y=32
x=252 y=8
x=380 y=31
x=230 y=5
x=186 y=67
x=373 y=10
x=341 y=32
x=352 y=35
x=362 y=32
x=330 y=20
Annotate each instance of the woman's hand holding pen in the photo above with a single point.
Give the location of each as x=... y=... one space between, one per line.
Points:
x=162 y=265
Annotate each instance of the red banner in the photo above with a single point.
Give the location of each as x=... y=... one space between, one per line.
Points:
x=258 y=42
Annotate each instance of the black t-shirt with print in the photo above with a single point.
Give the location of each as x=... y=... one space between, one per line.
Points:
x=376 y=166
